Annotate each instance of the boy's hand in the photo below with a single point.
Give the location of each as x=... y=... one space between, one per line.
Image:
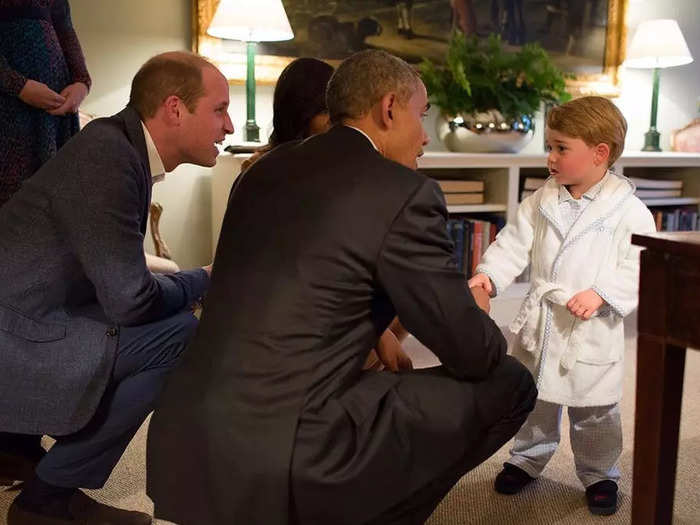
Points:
x=482 y=281
x=584 y=304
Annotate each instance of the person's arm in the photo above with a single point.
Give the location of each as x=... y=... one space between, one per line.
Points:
x=509 y=254
x=72 y=52
x=417 y=271
x=620 y=288
x=31 y=92
x=100 y=218
x=76 y=91
x=11 y=82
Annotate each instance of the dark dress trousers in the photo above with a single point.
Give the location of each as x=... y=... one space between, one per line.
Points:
x=74 y=276
x=269 y=416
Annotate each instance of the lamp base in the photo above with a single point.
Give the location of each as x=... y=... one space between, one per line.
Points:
x=651 y=141
x=252 y=132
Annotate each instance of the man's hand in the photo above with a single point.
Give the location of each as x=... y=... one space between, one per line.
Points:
x=207 y=269
x=481 y=280
x=39 y=95
x=74 y=95
x=481 y=297
x=584 y=304
x=391 y=354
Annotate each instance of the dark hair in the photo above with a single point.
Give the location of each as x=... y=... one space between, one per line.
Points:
x=300 y=95
x=362 y=79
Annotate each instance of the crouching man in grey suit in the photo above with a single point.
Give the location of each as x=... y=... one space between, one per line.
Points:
x=87 y=333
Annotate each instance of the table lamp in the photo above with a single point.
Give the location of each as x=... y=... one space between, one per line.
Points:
x=251 y=21
x=657 y=44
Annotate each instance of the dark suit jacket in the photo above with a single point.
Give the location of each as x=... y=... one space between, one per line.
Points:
x=72 y=271
x=323 y=242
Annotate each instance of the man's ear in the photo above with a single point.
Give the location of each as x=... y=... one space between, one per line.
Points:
x=173 y=109
x=601 y=154
x=388 y=104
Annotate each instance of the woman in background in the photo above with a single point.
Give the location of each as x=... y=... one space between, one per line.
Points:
x=299 y=112
x=43 y=80
x=298 y=104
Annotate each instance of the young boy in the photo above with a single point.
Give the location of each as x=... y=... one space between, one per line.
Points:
x=575 y=233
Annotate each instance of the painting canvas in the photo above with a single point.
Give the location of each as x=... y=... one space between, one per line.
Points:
x=585 y=37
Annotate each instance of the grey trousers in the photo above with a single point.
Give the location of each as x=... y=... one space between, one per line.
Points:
x=595 y=434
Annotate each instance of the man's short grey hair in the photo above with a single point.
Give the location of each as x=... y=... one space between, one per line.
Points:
x=363 y=79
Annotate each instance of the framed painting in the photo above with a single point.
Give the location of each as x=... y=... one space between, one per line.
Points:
x=584 y=37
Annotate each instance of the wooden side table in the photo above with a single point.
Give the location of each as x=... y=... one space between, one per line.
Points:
x=668 y=322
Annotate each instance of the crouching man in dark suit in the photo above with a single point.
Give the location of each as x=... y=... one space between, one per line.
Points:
x=270 y=416
x=87 y=333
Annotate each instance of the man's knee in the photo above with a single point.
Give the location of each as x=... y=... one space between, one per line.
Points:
x=512 y=384
x=182 y=328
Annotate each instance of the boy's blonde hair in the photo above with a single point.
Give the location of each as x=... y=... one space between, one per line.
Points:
x=594 y=120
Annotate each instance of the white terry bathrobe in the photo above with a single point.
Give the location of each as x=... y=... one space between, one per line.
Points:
x=576 y=363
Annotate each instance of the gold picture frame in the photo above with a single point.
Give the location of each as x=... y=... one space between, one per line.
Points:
x=268 y=67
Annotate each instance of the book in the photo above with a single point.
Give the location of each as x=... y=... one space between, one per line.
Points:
x=461 y=186
x=656 y=183
x=525 y=194
x=533 y=183
x=646 y=194
x=477 y=242
x=464 y=198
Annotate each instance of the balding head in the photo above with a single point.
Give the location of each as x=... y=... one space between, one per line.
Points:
x=176 y=73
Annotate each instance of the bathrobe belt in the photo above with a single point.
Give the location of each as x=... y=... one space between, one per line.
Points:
x=528 y=324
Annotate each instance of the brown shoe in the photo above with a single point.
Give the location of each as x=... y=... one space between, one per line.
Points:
x=83 y=510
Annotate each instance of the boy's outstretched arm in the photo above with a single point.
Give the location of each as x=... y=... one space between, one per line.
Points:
x=509 y=254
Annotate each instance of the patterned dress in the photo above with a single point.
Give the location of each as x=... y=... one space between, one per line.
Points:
x=38 y=42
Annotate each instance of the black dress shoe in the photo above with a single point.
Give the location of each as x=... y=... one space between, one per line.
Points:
x=511 y=479
x=18 y=466
x=602 y=498
x=80 y=509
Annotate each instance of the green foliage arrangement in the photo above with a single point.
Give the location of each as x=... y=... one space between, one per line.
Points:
x=480 y=75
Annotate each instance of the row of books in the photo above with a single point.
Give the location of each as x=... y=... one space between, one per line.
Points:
x=646 y=188
x=462 y=191
x=530 y=185
x=471 y=238
x=657 y=188
x=676 y=219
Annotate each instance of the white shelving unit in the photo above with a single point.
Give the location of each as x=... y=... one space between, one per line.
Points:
x=476 y=208
x=501 y=174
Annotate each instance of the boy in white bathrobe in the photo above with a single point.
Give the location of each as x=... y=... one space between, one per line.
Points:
x=575 y=233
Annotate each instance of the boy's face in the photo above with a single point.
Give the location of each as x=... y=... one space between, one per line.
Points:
x=572 y=162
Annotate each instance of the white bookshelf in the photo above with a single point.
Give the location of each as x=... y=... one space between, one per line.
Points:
x=501 y=174
x=671 y=201
x=476 y=208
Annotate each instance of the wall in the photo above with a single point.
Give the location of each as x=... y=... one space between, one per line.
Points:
x=118 y=40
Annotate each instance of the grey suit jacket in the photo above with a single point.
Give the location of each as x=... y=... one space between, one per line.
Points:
x=73 y=271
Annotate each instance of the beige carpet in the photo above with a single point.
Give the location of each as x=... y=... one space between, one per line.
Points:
x=557 y=498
